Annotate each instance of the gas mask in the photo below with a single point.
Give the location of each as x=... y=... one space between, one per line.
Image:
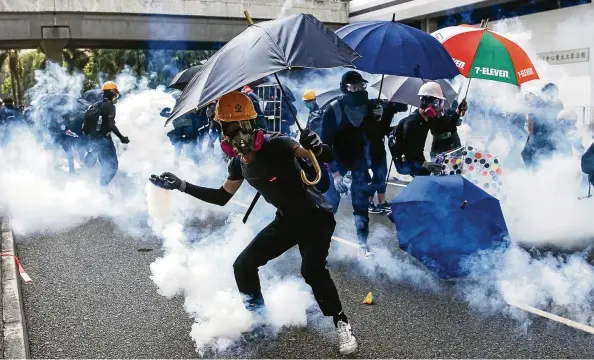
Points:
x=309 y=105
x=241 y=137
x=433 y=107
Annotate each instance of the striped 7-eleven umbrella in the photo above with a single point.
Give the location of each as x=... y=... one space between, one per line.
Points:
x=484 y=54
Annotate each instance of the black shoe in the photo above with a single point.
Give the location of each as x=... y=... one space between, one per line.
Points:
x=385 y=208
x=373 y=209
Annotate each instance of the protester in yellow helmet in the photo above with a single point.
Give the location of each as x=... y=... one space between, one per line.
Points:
x=303 y=217
x=98 y=125
x=309 y=99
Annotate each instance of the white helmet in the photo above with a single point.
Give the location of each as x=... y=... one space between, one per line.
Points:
x=432 y=89
x=567 y=114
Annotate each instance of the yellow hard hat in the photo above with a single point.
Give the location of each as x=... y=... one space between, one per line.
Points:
x=309 y=95
x=235 y=106
x=110 y=85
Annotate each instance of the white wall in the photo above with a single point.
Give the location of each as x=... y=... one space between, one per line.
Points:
x=407 y=10
x=557 y=30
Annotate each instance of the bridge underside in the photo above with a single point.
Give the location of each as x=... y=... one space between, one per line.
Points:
x=124 y=31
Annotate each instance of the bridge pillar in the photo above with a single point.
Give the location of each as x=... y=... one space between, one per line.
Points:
x=53 y=40
x=429 y=25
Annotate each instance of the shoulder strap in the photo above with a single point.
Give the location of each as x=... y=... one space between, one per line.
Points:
x=337 y=111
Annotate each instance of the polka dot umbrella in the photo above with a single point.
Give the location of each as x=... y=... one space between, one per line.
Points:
x=482 y=169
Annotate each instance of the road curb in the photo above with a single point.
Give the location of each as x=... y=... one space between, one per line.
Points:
x=15 y=340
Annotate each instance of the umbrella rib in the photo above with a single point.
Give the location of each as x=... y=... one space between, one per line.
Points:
x=383 y=39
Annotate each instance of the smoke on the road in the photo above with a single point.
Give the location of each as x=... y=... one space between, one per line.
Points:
x=542 y=210
x=198 y=264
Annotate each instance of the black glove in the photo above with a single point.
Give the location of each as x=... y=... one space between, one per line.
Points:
x=125 y=140
x=463 y=107
x=168 y=181
x=310 y=141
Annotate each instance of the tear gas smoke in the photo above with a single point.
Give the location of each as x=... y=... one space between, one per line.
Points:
x=541 y=207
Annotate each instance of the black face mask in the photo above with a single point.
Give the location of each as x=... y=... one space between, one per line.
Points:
x=358 y=98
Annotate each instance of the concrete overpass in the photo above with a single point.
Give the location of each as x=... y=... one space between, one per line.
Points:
x=154 y=24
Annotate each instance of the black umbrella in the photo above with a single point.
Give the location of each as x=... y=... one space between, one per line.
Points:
x=263 y=49
x=182 y=78
x=93 y=96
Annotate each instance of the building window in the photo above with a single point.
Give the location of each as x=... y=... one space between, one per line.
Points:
x=470 y=15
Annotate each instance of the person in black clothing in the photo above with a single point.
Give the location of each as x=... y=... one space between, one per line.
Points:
x=376 y=155
x=407 y=141
x=346 y=123
x=214 y=128
x=269 y=163
x=11 y=118
x=542 y=119
x=444 y=123
x=100 y=139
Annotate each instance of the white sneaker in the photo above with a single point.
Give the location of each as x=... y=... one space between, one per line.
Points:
x=365 y=252
x=347 y=344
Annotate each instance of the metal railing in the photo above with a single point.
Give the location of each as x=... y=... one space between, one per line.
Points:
x=271 y=104
x=585 y=114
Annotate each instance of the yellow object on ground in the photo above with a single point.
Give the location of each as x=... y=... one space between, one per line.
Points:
x=369 y=300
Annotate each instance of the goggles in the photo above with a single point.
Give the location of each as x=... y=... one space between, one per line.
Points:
x=356 y=87
x=435 y=102
x=231 y=129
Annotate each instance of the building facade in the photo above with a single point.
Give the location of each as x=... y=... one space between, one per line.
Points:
x=555 y=33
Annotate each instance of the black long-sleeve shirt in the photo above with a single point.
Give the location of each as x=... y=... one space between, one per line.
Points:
x=108 y=113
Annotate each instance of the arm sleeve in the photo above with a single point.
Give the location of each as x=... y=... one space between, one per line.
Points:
x=109 y=113
x=213 y=196
x=328 y=132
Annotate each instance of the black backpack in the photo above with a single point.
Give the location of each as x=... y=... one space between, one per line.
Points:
x=588 y=161
x=91 y=118
x=396 y=141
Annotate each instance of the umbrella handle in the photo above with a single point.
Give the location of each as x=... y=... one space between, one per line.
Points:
x=316 y=165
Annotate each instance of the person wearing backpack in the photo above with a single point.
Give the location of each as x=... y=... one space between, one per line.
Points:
x=98 y=125
x=345 y=125
x=407 y=140
x=303 y=217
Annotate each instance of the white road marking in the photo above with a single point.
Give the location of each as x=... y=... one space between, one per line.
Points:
x=530 y=309
x=395 y=184
x=571 y=323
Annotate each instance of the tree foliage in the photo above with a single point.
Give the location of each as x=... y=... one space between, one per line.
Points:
x=17 y=67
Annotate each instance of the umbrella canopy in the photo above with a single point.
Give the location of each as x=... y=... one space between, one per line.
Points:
x=392 y=48
x=324 y=98
x=182 y=78
x=441 y=220
x=404 y=89
x=484 y=54
x=263 y=49
x=92 y=96
x=479 y=167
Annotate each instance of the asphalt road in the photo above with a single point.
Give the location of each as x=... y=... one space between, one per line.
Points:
x=92 y=298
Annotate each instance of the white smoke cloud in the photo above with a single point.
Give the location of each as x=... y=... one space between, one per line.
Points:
x=541 y=208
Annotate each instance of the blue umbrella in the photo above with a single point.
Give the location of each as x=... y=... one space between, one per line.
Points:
x=440 y=220
x=392 y=48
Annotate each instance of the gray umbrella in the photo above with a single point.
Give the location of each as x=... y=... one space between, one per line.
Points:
x=263 y=49
x=182 y=78
x=326 y=97
x=404 y=90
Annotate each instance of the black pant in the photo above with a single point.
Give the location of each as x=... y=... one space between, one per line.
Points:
x=313 y=234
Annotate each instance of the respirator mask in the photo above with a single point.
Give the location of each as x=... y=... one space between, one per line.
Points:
x=433 y=107
x=241 y=137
